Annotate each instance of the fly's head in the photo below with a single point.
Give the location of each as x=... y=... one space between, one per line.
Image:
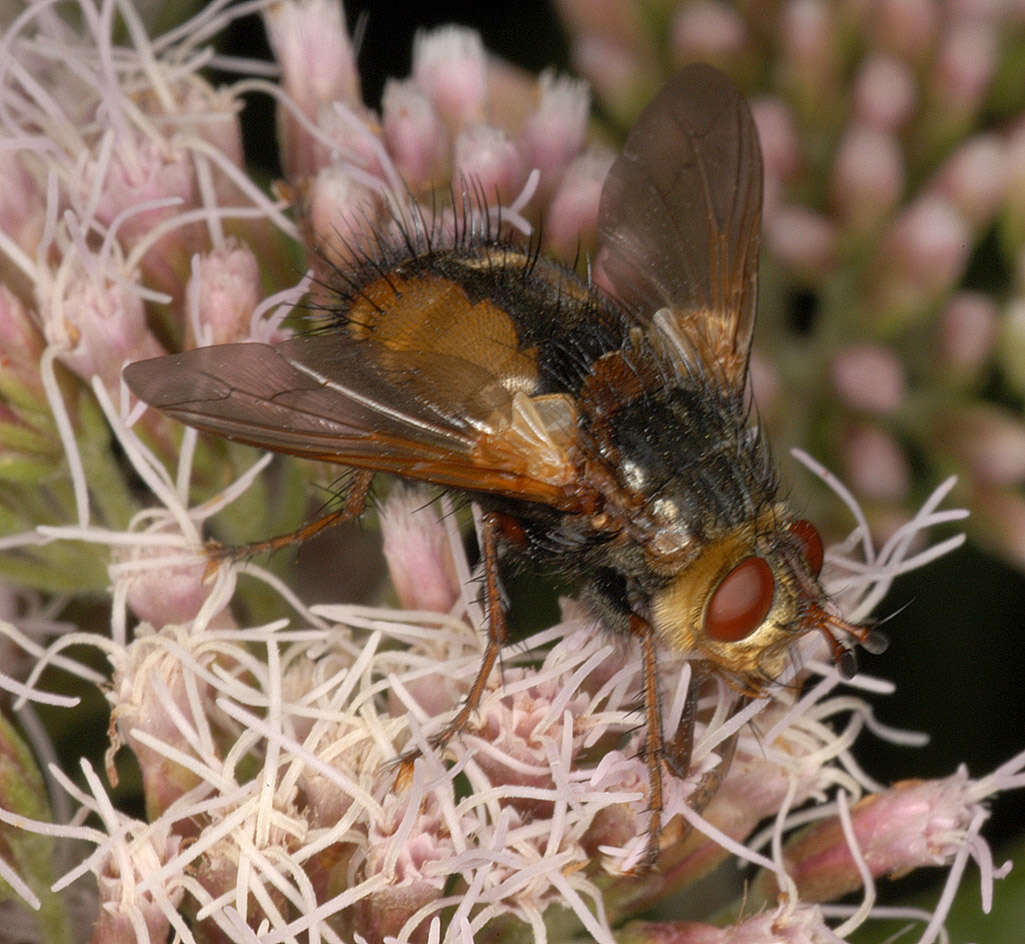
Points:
x=744 y=599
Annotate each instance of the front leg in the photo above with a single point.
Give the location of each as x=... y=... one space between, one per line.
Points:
x=655 y=748
x=679 y=751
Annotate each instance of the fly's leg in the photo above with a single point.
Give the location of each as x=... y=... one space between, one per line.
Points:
x=355 y=503
x=491 y=526
x=680 y=750
x=711 y=780
x=655 y=748
x=677 y=753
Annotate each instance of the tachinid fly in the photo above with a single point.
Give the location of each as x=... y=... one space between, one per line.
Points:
x=601 y=426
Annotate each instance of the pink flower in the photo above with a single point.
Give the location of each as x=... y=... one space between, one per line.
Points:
x=449 y=67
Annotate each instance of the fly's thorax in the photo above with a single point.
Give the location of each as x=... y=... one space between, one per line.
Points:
x=744 y=597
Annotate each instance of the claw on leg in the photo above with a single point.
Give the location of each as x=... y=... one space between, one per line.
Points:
x=353 y=507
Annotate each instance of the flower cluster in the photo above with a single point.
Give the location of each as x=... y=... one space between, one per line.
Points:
x=894 y=141
x=288 y=787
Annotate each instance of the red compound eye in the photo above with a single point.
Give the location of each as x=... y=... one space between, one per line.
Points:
x=808 y=537
x=741 y=601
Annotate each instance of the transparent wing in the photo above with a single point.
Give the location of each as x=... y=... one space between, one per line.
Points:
x=680 y=218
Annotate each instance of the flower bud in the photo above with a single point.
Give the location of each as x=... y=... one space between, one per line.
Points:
x=214 y=114
x=318 y=66
x=709 y=31
x=913 y=824
x=869 y=377
x=226 y=287
x=868 y=176
x=418 y=551
x=520 y=749
x=885 y=93
x=145 y=674
x=922 y=256
x=450 y=68
x=974 y=178
x=989 y=440
x=412 y=883
x=781 y=145
x=875 y=464
x=350 y=135
x=966 y=334
x=621 y=20
x=789 y=924
x=802 y=239
x=572 y=218
x=964 y=67
x=622 y=80
x=343 y=215
x=555 y=131
x=992 y=10
x=808 y=39
x=121 y=905
x=161 y=595
x=140 y=171
x=905 y=28
x=324 y=803
x=416 y=137
x=486 y=160
x=100 y=326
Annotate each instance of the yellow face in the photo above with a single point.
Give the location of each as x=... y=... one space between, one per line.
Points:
x=745 y=598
